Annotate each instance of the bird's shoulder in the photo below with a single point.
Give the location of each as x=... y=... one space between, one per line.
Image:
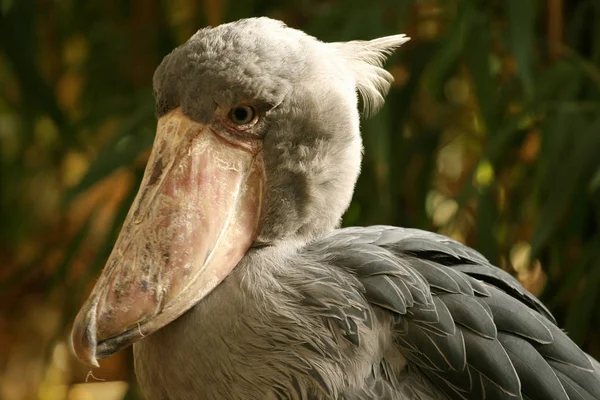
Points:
x=469 y=328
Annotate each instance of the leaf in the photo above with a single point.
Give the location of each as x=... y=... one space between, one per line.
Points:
x=561 y=81
x=376 y=139
x=595 y=58
x=582 y=307
x=487 y=216
x=405 y=151
x=78 y=239
x=477 y=56
x=450 y=48
x=576 y=272
x=595 y=181
x=521 y=16
x=572 y=176
x=122 y=151
x=21 y=56
x=496 y=147
x=5 y=6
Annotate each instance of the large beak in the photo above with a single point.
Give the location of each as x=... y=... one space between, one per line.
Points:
x=193 y=219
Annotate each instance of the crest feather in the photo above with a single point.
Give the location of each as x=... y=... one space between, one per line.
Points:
x=365 y=60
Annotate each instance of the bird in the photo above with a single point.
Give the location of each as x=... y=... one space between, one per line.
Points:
x=232 y=278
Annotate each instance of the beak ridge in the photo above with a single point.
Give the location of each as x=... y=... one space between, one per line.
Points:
x=194 y=217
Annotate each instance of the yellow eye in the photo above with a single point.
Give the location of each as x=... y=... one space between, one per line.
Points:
x=242 y=115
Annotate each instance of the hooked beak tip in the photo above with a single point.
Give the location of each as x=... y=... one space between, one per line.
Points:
x=83 y=339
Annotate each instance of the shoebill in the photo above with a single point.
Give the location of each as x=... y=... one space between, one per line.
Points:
x=231 y=278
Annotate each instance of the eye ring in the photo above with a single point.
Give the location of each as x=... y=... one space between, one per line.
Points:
x=242 y=115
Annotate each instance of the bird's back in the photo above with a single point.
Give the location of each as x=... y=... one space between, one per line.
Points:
x=467 y=329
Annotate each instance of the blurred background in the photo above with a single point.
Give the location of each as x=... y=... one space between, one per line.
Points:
x=491 y=135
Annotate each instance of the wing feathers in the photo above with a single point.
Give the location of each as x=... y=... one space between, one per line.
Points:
x=470 y=313
x=539 y=380
x=488 y=357
x=510 y=315
x=471 y=329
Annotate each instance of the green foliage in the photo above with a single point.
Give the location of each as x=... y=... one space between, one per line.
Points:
x=491 y=134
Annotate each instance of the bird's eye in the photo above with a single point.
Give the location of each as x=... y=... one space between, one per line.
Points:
x=242 y=115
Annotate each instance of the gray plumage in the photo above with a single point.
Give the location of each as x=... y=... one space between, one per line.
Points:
x=314 y=312
x=377 y=313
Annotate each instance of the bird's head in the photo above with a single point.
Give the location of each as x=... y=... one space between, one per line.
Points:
x=257 y=142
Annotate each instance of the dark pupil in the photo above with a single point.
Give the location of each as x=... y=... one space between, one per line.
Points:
x=240 y=114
